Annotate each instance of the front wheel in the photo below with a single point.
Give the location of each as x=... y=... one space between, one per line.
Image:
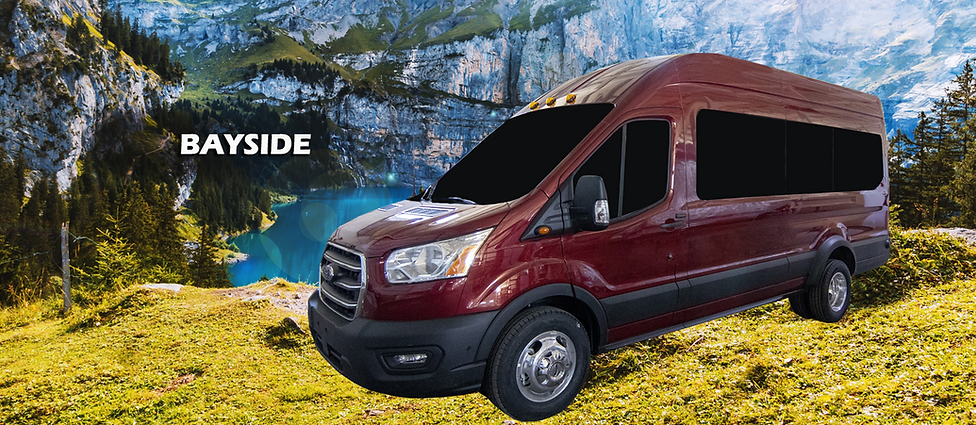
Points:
x=539 y=364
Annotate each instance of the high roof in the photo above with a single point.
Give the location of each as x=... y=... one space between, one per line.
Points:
x=616 y=84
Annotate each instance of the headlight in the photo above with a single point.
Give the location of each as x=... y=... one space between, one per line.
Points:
x=436 y=260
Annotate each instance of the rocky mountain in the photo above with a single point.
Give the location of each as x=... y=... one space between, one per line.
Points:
x=55 y=94
x=421 y=81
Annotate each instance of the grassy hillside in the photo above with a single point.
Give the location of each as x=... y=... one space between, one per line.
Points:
x=148 y=356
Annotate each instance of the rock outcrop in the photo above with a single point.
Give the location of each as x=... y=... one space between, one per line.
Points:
x=53 y=97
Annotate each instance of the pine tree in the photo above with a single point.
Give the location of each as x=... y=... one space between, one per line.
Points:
x=125 y=31
x=167 y=241
x=20 y=173
x=944 y=154
x=961 y=108
x=904 y=192
x=925 y=173
x=116 y=266
x=964 y=188
x=10 y=200
x=136 y=219
x=264 y=202
x=54 y=215
x=162 y=66
x=135 y=43
x=205 y=269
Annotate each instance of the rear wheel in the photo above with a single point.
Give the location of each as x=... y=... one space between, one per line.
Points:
x=831 y=296
x=539 y=364
x=800 y=304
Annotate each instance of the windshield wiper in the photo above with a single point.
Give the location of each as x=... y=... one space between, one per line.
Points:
x=455 y=200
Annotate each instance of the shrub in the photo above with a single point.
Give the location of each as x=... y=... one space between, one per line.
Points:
x=919 y=258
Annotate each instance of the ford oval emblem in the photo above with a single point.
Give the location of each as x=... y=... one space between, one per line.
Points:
x=328 y=272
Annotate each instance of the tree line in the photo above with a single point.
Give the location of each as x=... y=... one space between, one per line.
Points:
x=123 y=228
x=145 y=49
x=305 y=72
x=933 y=171
x=229 y=192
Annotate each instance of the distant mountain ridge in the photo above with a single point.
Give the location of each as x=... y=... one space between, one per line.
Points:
x=423 y=81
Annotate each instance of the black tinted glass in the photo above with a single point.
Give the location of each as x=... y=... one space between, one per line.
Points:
x=742 y=155
x=643 y=147
x=515 y=158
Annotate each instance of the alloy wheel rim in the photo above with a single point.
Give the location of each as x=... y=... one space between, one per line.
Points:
x=545 y=366
x=837 y=291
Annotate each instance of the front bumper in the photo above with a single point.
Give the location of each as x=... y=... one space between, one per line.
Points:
x=362 y=351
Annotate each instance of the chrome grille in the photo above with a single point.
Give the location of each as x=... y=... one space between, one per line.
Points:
x=342 y=280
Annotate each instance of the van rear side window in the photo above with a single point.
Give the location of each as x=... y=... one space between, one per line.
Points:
x=741 y=155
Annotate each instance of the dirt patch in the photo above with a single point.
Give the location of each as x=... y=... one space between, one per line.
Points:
x=178 y=382
x=282 y=294
x=968 y=234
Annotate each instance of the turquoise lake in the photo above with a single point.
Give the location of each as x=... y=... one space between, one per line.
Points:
x=292 y=247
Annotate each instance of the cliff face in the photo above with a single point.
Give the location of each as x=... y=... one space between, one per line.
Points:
x=53 y=97
x=442 y=74
x=904 y=52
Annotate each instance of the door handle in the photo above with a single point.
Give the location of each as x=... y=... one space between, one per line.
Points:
x=677 y=221
x=672 y=223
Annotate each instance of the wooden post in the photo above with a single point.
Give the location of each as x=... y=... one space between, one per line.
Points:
x=65 y=267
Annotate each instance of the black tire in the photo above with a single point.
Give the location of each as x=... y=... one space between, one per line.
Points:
x=539 y=341
x=831 y=296
x=800 y=304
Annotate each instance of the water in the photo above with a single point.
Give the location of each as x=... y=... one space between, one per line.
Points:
x=292 y=247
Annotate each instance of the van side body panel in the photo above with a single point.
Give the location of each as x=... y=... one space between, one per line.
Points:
x=508 y=266
x=742 y=251
x=745 y=250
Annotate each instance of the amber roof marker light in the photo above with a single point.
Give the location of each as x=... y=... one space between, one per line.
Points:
x=570 y=98
x=533 y=105
x=550 y=101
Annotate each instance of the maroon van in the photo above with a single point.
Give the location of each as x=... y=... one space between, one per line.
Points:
x=636 y=200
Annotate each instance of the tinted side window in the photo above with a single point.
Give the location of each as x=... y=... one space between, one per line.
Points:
x=742 y=155
x=857 y=160
x=605 y=162
x=634 y=163
x=809 y=158
x=646 y=167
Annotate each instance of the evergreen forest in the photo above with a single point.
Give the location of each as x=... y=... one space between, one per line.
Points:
x=123 y=228
x=932 y=171
x=145 y=49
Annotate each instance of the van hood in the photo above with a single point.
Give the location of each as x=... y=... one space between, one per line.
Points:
x=410 y=223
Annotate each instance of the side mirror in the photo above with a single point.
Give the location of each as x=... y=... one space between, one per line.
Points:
x=590 y=210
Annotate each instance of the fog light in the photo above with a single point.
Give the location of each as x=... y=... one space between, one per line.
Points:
x=410 y=359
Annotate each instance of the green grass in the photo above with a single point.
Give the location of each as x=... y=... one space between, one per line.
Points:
x=198 y=356
x=482 y=24
x=416 y=32
x=361 y=38
x=524 y=21
x=209 y=73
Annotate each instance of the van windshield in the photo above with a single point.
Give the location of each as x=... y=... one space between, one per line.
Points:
x=515 y=158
